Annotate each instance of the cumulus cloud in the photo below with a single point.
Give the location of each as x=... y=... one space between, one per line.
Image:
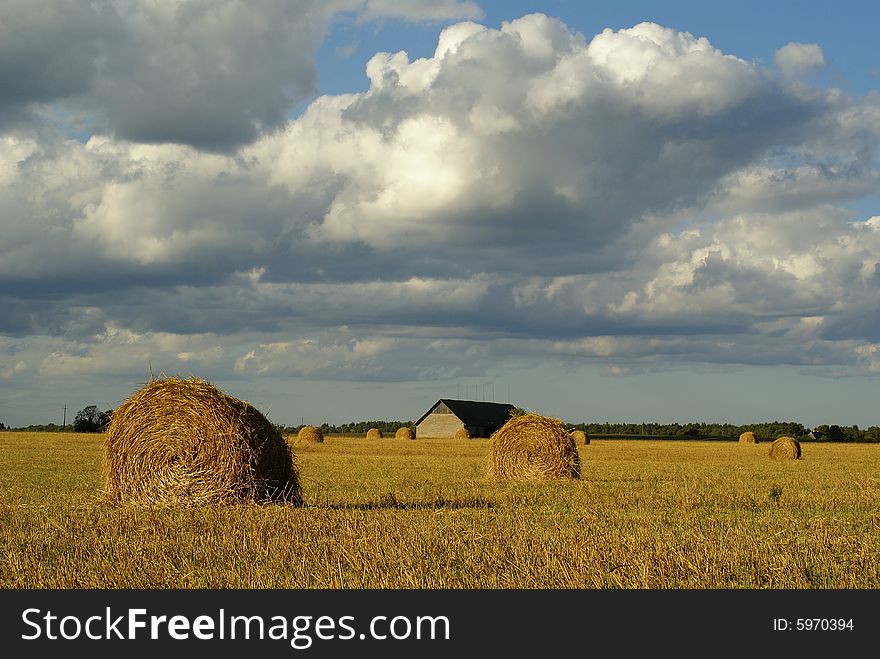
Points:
x=613 y=129
x=797 y=59
x=637 y=200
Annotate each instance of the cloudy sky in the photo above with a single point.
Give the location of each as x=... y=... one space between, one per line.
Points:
x=346 y=209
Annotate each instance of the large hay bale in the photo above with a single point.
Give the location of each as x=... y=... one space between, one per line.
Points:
x=785 y=448
x=403 y=433
x=748 y=437
x=462 y=433
x=310 y=435
x=183 y=442
x=374 y=433
x=533 y=447
x=580 y=437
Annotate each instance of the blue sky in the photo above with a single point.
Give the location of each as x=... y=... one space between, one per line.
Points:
x=628 y=211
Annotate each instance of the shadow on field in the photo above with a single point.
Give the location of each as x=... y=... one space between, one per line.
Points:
x=390 y=502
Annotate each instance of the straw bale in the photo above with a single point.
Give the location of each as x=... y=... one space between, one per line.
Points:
x=748 y=437
x=785 y=448
x=580 y=437
x=309 y=435
x=181 y=441
x=532 y=447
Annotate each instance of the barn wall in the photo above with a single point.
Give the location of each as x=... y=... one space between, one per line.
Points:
x=438 y=425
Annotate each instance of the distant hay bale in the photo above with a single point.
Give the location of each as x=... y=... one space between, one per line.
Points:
x=309 y=435
x=580 y=437
x=374 y=433
x=462 y=433
x=403 y=433
x=748 y=437
x=532 y=447
x=184 y=442
x=785 y=448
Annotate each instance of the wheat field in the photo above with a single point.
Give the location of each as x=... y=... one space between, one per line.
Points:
x=384 y=514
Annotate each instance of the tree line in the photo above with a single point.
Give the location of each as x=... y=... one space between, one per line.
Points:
x=91 y=419
x=702 y=430
x=88 y=419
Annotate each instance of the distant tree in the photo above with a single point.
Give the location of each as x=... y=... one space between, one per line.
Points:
x=2 y=426
x=835 y=434
x=89 y=419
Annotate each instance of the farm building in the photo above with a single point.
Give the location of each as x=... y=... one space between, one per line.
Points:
x=447 y=415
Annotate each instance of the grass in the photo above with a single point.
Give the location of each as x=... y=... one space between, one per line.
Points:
x=391 y=514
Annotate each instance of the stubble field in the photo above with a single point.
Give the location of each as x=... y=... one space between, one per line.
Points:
x=420 y=514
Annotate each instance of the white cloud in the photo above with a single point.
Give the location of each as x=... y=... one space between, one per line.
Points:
x=613 y=129
x=358 y=358
x=673 y=73
x=119 y=351
x=797 y=59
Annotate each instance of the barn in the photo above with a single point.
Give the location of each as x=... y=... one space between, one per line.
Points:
x=447 y=415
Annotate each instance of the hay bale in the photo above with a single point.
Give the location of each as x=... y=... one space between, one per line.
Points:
x=580 y=437
x=462 y=433
x=785 y=448
x=310 y=435
x=748 y=437
x=532 y=447
x=183 y=442
x=403 y=433
x=374 y=433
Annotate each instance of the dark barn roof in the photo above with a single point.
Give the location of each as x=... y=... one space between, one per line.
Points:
x=475 y=413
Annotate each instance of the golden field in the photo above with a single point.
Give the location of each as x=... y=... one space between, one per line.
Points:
x=420 y=514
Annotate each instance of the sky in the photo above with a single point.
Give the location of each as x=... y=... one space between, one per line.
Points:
x=345 y=210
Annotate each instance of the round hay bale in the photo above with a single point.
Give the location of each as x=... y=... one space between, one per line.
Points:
x=580 y=437
x=310 y=435
x=462 y=433
x=403 y=433
x=532 y=447
x=785 y=448
x=374 y=433
x=183 y=442
x=748 y=437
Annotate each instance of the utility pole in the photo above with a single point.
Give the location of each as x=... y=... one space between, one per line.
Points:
x=64 y=422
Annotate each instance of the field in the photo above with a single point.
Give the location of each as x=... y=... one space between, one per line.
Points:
x=419 y=514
